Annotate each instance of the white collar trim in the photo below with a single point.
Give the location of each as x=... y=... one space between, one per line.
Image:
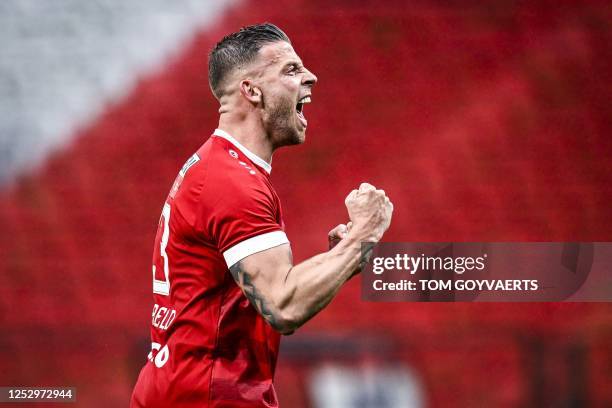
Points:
x=252 y=156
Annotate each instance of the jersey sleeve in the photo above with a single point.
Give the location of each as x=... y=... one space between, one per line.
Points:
x=243 y=221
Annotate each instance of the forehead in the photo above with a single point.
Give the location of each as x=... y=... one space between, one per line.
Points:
x=276 y=53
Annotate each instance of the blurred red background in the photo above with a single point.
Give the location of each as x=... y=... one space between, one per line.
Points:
x=481 y=122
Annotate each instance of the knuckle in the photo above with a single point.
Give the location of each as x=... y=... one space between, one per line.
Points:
x=350 y=197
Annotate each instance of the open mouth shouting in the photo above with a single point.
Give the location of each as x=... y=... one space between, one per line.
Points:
x=299 y=108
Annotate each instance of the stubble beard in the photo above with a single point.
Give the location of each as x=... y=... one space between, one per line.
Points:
x=280 y=123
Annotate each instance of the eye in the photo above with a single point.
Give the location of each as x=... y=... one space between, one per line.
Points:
x=292 y=69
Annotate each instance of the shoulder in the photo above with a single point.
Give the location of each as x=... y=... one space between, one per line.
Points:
x=231 y=175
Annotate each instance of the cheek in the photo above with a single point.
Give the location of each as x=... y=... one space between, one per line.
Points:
x=282 y=103
x=276 y=98
x=280 y=98
x=290 y=86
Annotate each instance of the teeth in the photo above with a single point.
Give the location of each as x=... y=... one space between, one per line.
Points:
x=305 y=99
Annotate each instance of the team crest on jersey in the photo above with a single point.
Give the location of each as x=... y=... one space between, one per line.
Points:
x=179 y=179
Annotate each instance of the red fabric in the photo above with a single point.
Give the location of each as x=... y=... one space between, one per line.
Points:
x=220 y=351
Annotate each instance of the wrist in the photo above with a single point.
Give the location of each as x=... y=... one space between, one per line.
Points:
x=362 y=234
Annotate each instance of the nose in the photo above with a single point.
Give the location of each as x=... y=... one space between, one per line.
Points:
x=309 y=78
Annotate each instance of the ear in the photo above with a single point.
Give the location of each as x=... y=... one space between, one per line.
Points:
x=251 y=92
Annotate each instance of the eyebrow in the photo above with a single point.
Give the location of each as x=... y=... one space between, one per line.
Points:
x=299 y=64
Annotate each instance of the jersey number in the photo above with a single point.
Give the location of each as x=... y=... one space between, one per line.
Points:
x=159 y=355
x=162 y=287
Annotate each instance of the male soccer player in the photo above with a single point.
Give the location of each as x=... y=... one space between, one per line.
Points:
x=224 y=285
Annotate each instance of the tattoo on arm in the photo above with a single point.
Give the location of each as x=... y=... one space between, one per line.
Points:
x=244 y=281
x=366 y=254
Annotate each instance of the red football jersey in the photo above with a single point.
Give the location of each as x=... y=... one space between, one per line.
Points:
x=210 y=347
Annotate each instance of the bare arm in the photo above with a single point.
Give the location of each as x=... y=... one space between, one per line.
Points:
x=288 y=295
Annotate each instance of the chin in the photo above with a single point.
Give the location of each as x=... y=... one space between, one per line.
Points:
x=299 y=137
x=292 y=137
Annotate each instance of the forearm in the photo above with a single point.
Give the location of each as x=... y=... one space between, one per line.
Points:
x=309 y=286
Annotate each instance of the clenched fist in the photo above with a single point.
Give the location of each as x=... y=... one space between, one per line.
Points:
x=370 y=212
x=338 y=233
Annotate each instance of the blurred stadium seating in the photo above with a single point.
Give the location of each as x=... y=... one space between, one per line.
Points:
x=482 y=122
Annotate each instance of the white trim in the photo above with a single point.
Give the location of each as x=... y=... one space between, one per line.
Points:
x=253 y=245
x=190 y=162
x=252 y=156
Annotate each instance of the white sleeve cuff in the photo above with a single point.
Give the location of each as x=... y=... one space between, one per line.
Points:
x=253 y=245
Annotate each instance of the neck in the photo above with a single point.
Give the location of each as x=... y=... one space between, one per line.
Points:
x=249 y=131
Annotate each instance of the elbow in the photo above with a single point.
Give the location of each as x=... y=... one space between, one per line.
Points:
x=285 y=322
x=285 y=330
x=287 y=316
